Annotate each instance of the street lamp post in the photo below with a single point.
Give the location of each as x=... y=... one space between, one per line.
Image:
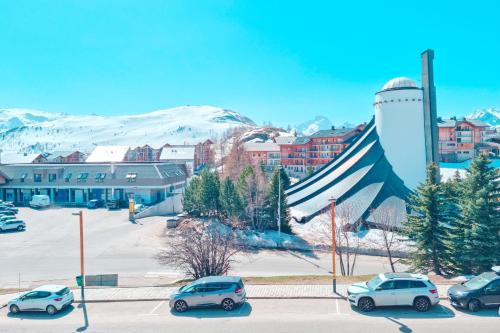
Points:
x=334 y=266
x=82 y=272
x=279 y=202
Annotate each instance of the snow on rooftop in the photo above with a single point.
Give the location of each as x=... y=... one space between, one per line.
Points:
x=262 y=146
x=177 y=153
x=108 y=154
x=15 y=158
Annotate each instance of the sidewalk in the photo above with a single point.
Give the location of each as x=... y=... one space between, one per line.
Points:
x=96 y=295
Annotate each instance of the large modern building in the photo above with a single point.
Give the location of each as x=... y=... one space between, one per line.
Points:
x=377 y=170
x=77 y=183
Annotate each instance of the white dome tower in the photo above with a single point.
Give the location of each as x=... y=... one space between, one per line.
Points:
x=399 y=120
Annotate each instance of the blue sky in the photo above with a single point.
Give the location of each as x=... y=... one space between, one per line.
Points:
x=278 y=61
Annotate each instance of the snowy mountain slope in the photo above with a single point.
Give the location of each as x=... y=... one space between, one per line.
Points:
x=489 y=116
x=38 y=131
x=312 y=126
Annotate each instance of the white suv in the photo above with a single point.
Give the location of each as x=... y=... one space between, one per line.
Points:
x=50 y=298
x=14 y=224
x=392 y=289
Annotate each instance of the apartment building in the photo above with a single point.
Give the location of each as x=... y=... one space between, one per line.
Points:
x=461 y=139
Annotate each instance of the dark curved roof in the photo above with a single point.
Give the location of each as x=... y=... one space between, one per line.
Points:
x=360 y=173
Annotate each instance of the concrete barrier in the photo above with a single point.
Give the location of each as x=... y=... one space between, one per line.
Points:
x=171 y=205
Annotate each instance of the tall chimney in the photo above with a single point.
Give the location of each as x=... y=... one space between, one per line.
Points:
x=430 y=113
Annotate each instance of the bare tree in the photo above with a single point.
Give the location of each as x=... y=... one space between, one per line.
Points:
x=388 y=220
x=347 y=244
x=200 y=250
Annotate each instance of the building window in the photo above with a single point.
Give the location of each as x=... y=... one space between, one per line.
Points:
x=82 y=177
x=37 y=177
x=131 y=177
x=23 y=177
x=52 y=177
x=67 y=177
x=99 y=177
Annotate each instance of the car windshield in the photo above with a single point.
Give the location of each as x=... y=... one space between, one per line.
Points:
x=373 y=283
x=63 y=291
x=477 y=282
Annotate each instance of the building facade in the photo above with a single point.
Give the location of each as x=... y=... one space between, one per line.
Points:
x=266 y=154
x=203 y=154
x=310 y=153
x=462 y=139
x=77 y=183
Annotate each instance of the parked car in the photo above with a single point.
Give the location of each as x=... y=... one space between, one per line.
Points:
x=6 y=212
x=40 y=201
x=7 y=217
x=14 y=224
x=391 y=289
x=113 y=204
x=479 y=292
x=49 y=298
x=94 y=203
x=13 y=209
x=223 y=291
x=6 y=204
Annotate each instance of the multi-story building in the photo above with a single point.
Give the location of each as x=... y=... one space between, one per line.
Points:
x=203 y=154
x=266 y=154
x=66 y=157
x=310 y=153
x=462 y=139
x=144 y=153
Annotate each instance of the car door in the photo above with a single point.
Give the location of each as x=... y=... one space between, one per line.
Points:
x=40 y=301
x=27 y=301
x=385 y=294
x=194 y=295
x=491 y=293
x=403 y=293
x=213 y=294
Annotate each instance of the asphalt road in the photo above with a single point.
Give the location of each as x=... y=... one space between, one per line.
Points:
x=261 y=316
x=49 y=249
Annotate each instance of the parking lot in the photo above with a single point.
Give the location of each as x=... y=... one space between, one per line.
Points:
x=49 y=250
x=297 y=315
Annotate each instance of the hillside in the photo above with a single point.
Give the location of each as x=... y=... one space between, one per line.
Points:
x=39 y=131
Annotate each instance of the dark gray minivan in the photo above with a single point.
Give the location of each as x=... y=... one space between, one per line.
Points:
x=223 y=291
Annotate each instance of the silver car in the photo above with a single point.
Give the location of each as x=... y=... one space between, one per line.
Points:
x=223 y=291
x=49 y=298
x=392 y=289
x=13 y=224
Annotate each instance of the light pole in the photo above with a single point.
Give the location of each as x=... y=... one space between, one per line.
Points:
x=279 y=202
x=334 y=267
x=82 y=272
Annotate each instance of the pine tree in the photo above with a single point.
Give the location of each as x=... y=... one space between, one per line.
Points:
x=428 y=225
x=277 y=194
x=230 y=201
x=285 y=180
x=209 y=192
x=478 y=240
x=191 y=199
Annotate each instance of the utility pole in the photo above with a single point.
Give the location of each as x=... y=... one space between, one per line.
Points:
x=82 y=272
x=279 y=202
x=334 y=266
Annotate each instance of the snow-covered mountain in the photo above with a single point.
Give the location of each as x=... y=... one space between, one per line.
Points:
x=24 y=130
x=311 y=126
x=489 y=116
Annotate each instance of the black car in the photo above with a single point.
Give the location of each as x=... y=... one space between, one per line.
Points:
x=480 y=291
x=7 y=212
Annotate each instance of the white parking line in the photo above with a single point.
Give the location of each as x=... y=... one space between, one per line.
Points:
x=337 y=306
x=152 y=312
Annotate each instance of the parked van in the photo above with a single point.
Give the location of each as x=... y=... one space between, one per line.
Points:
x=40 y=201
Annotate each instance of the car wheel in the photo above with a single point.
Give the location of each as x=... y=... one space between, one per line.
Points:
x=51 y=310
x=14 y=309
x=180 y=306
x=422 y=304
x=227 y=304
x=366 y=304
x=19 y=228
x=474 y=305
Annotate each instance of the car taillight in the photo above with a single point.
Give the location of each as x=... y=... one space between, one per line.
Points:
x=238 y=290
x=433 y=291
x=58 y=299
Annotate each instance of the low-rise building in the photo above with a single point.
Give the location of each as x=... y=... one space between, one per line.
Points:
x=102 y=154
x=66 y=157
x=462 y=139
x=181 y=154
x=77 y=183
x=204 y=154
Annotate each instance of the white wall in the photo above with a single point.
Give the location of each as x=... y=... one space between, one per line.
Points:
x=400 y=126
x=172 y=205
